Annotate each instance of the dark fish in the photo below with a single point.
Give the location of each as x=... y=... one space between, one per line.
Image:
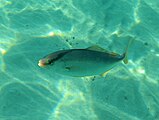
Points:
x=83 y=62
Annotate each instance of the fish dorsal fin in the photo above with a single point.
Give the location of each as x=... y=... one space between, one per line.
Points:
x=114 y=54
x=96 y=48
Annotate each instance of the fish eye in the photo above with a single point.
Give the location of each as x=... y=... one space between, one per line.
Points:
x=48 y=61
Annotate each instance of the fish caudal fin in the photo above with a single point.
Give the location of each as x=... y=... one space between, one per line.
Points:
x=125 y=60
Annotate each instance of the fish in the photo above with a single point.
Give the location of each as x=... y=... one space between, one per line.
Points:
x=91 y=61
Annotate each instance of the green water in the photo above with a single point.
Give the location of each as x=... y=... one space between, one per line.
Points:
x=30 y=29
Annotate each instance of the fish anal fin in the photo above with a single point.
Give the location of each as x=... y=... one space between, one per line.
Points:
x=96 y=48
x=105 y=73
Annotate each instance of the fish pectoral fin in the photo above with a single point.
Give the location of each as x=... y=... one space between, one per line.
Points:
x=104 y=74
x=68 y=68
x=96 y=48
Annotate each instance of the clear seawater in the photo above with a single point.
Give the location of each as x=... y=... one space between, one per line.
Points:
x=30 y=29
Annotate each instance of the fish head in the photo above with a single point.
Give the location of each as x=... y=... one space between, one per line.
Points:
x=44 y=62
x=52 y=58
x=48 y=60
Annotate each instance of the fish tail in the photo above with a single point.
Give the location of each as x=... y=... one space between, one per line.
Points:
x=125 y=60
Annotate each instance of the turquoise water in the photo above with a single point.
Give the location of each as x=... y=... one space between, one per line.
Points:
x=30 y=29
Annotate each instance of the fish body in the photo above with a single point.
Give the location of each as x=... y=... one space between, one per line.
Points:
x=82 y=62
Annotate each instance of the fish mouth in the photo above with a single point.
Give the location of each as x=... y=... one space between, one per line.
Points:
x=41 y=63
